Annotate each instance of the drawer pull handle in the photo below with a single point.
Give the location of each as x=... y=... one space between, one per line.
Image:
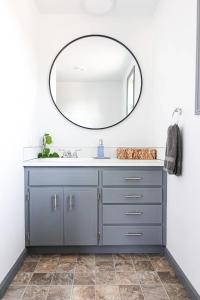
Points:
x=133 y=178
x=70 y=202
x=133 y=234
x=55 y=202
x=134 y=213
x=133 y=196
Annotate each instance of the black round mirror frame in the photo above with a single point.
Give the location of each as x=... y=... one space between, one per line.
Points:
x=108 y=37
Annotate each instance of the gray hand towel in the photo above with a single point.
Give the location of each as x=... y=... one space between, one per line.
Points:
x=173 y=154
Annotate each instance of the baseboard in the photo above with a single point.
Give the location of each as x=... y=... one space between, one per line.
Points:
x=11 y=274
x=94 y=249
x=192 y=293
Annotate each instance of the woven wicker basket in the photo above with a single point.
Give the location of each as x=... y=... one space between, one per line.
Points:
x=136 y=153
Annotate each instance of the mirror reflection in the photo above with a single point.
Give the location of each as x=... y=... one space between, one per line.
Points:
x=95 y=82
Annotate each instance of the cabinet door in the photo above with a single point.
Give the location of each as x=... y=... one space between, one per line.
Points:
x=80 y=217
x=46 y=216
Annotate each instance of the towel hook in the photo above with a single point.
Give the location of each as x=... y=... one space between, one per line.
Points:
x=179 y=111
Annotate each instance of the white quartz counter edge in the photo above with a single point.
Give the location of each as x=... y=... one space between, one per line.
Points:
x=91 y=162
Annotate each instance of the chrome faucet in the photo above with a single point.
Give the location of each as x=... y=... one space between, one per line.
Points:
x=68 y=153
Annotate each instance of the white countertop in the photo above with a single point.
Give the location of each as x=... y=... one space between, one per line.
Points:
x=91 y=162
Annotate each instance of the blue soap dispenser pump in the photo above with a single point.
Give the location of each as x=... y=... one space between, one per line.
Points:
x=100 y=149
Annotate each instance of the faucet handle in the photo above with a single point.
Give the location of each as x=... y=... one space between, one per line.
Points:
x=75 y=153
x=67 y=154
x=64 y=153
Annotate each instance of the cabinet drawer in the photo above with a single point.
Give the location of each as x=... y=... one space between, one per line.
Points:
x=131 y=214
x=132 y=177
x=132 y=235
x=65 y=177
x=132 y=195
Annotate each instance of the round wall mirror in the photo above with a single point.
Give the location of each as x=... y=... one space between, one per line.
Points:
x=95 y=81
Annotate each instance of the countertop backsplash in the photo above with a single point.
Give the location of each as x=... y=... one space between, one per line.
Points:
x=84 y=152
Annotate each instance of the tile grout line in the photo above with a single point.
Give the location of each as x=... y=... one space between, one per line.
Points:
x=53 y=273
x=138 y=279
x=116 y=277
x=142 y=291
x=51 y=281
x=95 y=277
x=164 y=288
x=150 y=284
x=37 y=262
x=161 y=281
x=48 y=292
x=28 y=284
x=74 y=271
x=72 y=284
x=23 y=293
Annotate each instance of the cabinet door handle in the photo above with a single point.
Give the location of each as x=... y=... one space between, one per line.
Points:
x=133 y=234
x=134 y=213
x=55 y=202
x=133 y=178
x=133 y=196
x=70 y=202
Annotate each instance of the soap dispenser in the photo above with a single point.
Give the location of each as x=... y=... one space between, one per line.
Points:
x=100 y=149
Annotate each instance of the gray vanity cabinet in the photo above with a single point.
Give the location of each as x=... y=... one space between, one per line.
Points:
x=46 y=216
x=96 y=206
x=80 y=216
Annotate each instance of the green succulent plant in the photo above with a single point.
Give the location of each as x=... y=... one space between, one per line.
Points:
x=39 y=155
x=47 y=139
x=46 y=152
x=54 y=154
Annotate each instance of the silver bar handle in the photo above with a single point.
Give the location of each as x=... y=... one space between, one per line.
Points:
x=133 y=178
x=70 y=202
x=55 y=202
x=133 y=234
x=134 y=213
x=133 y=196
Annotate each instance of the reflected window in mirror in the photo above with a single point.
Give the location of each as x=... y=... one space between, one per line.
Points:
x=130 y=91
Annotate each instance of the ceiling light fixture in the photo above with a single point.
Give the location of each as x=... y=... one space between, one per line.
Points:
x=98 y=7
x=77 y=68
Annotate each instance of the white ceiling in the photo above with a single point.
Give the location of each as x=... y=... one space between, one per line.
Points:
x=122 y=7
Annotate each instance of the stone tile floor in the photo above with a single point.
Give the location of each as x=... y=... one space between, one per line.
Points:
x=96 y=277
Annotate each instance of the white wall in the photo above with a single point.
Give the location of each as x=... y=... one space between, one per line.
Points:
x=18 y=93
x=175 y=29
x=90 y=103
x=136 y=33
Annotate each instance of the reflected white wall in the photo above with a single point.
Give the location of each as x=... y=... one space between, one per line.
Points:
x=91 y=104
